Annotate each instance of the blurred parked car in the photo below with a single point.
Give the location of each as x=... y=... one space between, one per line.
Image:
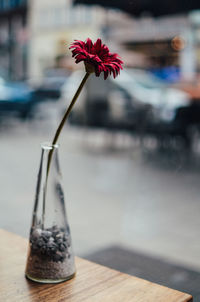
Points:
x=15 y=98
x=168 y=109
x=145 y=88
x=51 y=85
x=94 y=107
x=135 y=100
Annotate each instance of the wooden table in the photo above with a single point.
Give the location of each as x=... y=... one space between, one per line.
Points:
x=92 y=283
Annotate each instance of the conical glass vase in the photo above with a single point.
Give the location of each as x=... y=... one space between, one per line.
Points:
x=50 y=256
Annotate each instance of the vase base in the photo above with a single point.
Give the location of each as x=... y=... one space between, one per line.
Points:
x=50 y=281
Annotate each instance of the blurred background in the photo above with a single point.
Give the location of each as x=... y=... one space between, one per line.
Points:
x=130 y=152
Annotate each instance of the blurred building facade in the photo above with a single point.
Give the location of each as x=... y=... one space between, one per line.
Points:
x=170 y=42
x=53 y=25
x=13 y=39
x=35 y=36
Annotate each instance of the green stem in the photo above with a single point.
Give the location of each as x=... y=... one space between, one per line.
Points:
x=65 y=117
x=57 y=134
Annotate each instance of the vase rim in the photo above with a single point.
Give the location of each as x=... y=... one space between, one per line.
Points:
x=48 y=146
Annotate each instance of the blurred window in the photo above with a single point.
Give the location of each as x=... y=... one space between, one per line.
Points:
x=10 y=4
x=5 y=4
x=87 y=15
x=81 y=16
x=71 y=16
x=57 y=13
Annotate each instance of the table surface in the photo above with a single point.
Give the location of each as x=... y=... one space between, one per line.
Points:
x=92 y=282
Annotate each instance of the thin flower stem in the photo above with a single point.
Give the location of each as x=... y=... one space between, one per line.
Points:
x=65 y=117
x=57 y=134
x=70 y=107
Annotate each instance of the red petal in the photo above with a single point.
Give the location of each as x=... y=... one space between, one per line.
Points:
x=98 y=55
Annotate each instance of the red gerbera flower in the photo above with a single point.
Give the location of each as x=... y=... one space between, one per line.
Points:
x=97 y=57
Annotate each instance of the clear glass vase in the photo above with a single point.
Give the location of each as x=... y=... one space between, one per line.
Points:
x=50 y=256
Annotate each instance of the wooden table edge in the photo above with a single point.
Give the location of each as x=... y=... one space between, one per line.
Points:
x=187 y=298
